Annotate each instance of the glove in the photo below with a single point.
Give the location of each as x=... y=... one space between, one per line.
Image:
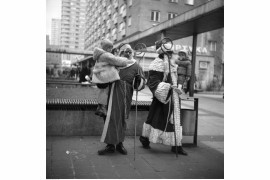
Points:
x=87 y=78
x=137 y=81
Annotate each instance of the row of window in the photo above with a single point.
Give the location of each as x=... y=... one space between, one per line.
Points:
x=189 y=2
x=155 y=16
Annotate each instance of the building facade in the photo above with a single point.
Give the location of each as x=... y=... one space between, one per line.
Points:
x=73 y=24
x=72 y=27
x=55 y=31
x=118 y=19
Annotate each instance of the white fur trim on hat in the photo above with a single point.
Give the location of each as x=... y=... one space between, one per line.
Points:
x=164 y=48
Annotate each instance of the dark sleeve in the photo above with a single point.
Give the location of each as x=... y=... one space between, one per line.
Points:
x=142 y=81
x=189 y=69
x=154 y=79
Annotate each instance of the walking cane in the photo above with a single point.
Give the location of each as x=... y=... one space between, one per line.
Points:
x=140 y=49
x=163 y=42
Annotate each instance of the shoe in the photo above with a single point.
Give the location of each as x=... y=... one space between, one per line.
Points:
x=103 y=110
x=180 y=150
x=98 y=110
x=120 y=148
x=110 y=148
x=145 y=142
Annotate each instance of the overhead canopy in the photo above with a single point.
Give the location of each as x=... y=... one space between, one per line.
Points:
x=68 y=51
x=206 y=17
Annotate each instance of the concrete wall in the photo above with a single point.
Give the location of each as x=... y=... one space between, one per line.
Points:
x=80 y=123
x=86 y=123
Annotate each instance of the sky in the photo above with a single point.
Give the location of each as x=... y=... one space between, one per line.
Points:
x=53 y=10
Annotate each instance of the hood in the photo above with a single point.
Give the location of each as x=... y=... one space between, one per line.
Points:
x=97 y=53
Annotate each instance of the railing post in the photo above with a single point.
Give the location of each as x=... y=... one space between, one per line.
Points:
x=196 y=108
x=193 y=62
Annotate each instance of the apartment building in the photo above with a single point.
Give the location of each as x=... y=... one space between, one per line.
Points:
x=55 y=31
x=73 y=24
x=117 y=19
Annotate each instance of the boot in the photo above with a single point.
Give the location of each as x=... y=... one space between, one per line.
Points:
x=98 y=110
x=145 y=142
x=180 y=150
x=120 y=148
x=110 y=148
x=101 y=110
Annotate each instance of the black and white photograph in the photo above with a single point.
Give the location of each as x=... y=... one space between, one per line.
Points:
x=135 y=89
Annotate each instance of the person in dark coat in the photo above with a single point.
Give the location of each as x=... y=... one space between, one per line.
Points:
x=184 y=69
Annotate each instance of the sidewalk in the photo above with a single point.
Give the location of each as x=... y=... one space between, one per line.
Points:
x=76 y=157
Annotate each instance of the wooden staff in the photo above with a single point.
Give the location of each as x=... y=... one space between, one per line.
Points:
x=138 y=47
x=174 y=96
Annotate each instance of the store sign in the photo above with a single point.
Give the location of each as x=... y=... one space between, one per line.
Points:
x=178 y=47
x=66 y=63
x=203 y=64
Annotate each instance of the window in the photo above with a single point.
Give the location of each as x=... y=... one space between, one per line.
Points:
x=171 y=15
x=129 y=21
x=155 y=15
x=173 y=1
x=212 y=45
x=190 y=2
x=130 y=3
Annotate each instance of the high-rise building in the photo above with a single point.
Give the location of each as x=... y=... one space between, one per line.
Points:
x=73 y=24
x=47 y=41
x=55 y=31
x=117 y=19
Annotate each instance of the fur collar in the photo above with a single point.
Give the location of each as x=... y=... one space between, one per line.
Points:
x=161 y=66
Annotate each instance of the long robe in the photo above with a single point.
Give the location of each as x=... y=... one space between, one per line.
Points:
x=159 y=127
x=119 y=104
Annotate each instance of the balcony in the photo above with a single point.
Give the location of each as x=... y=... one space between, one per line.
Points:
x=109 y=11
x=124 y=13
x=123 y=32
x=114 y=37
x=115 y=3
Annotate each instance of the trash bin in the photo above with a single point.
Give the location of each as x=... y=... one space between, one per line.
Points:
x=188 y=121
